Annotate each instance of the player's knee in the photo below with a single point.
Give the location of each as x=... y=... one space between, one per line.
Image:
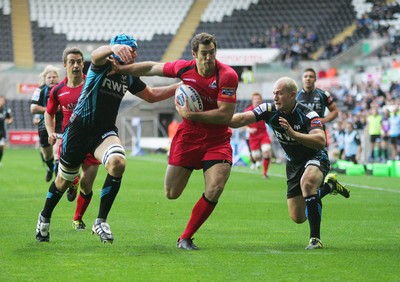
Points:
x=171 y=193
x=65 y=174
x=298 y=219
x=256 y=154
x=114 y=160
x=213 y=193
x=86 y=186
x=116 y=166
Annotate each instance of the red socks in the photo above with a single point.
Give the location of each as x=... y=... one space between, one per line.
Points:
x=82 y=203
x=265 y=166
x=201 y=211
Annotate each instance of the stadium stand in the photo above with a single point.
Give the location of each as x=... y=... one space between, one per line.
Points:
x=55 y=25
x=21 y=114
x=324 y=18
x=6 y=50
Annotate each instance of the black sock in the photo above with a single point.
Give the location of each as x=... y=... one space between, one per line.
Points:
x=52 y=199
x=314 y=213
x=108 y=194
x=50 y=164
x=1 y=154
x=88 y=196
x=324 y=190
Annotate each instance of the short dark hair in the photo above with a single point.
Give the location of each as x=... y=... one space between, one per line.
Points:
x=311 y=70
x=203 y=38
x=71 y=50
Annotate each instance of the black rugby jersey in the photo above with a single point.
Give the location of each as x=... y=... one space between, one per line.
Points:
x=5 y=113
x=318 y=100
x=302 y=119
x=101 y=96
x=40 y=97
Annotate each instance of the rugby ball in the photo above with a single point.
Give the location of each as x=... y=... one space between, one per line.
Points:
x=194 y=100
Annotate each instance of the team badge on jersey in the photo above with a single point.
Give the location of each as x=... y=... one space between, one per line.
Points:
x=228 y=93
x=316 y=123
x=213 y=85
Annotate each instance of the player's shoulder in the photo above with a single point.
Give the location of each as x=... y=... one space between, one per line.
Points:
x=301 y=92
x=42 y=88
x=182 y=63
x=308 y=112
x=321 y=91
x=59 y=86
x=227 y=70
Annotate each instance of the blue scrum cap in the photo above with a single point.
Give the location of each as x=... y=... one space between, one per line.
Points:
x=123 y=39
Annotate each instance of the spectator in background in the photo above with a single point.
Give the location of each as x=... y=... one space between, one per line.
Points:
x=374 y=121
x=395 y=63
x=394 y=133
x=349 y=102
x=352 y=143
x=322 y=73
x=385 y=126
x=247 y=76
x=338 y=139
x=172 y=128
x=5 y=119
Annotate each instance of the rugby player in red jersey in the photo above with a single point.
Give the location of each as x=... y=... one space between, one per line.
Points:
x=202 y=140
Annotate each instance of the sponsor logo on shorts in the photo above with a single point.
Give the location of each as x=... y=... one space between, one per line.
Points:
x=109 y=133
x=313 y=162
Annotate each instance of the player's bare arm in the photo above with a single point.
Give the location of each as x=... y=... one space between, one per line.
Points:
x=156 y=94
x=333 y=113
x=37 y=109
x=242 y=119
x=315 y=139
x=101 y=54
x=222 y=115
x=50 y=122
x=139 y=69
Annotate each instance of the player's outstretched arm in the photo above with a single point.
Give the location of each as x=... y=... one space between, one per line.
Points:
x=139 y=69
x=242 y=119
x=156 y=94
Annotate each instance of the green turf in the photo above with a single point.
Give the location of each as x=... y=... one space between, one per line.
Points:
x=249 y=237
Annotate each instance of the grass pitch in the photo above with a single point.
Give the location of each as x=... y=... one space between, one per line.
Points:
x=249 y=237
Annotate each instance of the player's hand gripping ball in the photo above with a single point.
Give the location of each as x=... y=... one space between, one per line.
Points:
x=193 y=98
